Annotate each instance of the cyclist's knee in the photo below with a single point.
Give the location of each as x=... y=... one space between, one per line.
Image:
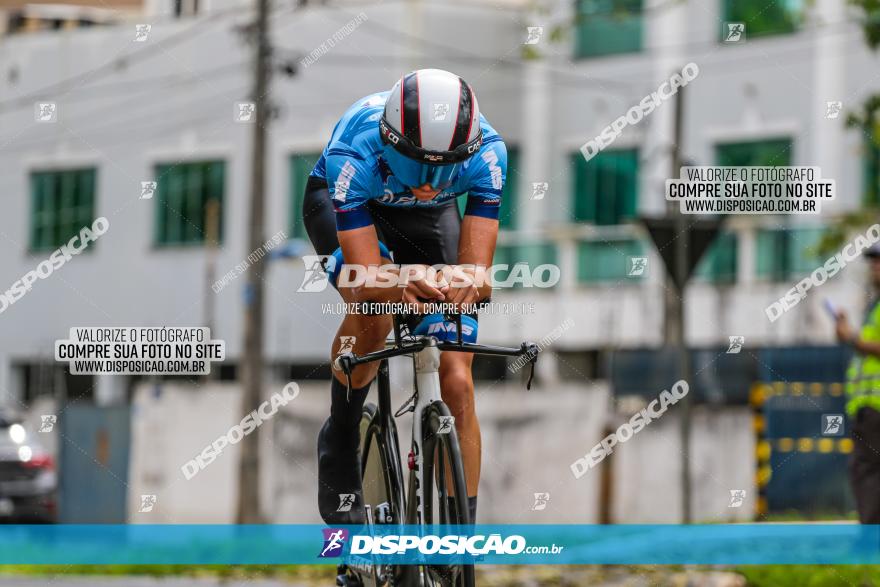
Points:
x=458 y=387
x=370 y=331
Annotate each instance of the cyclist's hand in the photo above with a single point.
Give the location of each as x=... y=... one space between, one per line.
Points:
x=463 y=286
x=420 y=288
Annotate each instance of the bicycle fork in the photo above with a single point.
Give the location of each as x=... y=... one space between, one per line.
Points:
x=427 y=386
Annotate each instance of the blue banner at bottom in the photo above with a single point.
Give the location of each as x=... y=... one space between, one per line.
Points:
x=723 y=544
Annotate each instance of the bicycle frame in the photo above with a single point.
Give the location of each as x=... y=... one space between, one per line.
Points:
x=425 y=352
x=426 y=391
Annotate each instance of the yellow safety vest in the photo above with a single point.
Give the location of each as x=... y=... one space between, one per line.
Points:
x=863 y=373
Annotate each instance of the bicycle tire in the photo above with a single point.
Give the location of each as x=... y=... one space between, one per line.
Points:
x=446 y=444
x=382 y=479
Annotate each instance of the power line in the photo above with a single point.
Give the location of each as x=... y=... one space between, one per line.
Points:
x=113 y=65
x=138 y=86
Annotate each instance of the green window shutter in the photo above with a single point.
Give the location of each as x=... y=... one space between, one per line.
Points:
x=40 y=205
x=67 y=208
x=599 y=261
x=784 y=254
x=769 y=153
x=871 y=195
x=194 y=197
x=718 y=264
x=182 y=194
x=301 y=165
x=175 y=213
x=762 y=18
x=584 y=205
x=605 y=187
x=774 y=259
x=216 y=182
x=532 y=254
x=508 y=214
x=607 y=27
x=771 y=253
x=85 y=211
x=803 y=250
x=160 y=197
x=62 y=203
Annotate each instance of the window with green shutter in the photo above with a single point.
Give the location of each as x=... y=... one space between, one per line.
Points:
x=608 y=260
x=871 y=193
x=783 y=254
x=762 y=18
x=605 y=189
x=606 y=27
x=507 y=215
x=718 y=264
x=765 y=153
x=184 y=194
x=62 y=203
x=533 y=254
x=301 y=165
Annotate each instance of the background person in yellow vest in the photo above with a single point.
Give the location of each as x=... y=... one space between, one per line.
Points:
x=863 y=398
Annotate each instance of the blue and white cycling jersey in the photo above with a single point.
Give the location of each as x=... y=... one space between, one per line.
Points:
x=355 y=172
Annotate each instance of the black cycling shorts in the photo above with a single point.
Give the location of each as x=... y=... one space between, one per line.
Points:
x=416 y=235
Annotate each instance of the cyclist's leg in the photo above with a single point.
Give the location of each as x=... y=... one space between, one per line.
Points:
x=457 y=385
x=369 y=331
x=338 y=463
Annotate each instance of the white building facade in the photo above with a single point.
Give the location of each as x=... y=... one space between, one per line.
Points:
x=163 y=109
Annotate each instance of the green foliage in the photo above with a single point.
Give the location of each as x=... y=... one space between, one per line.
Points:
x=870 y=20
x=811 y=575
x=844 y=228
x=763 y=18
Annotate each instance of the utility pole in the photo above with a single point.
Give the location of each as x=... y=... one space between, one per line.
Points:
x=251 y=376
x=212 y=241
x=676 y=321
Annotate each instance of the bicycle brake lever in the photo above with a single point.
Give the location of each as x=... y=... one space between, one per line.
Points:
x=343 y=363
x=532 y=351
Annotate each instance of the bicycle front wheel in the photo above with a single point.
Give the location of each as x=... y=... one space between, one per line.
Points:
x=383 y=489
x=442 y=463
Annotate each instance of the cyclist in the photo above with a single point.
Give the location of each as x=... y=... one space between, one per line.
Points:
x=386 y=186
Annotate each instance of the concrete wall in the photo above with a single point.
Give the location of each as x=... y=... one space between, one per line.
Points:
x=529 y=440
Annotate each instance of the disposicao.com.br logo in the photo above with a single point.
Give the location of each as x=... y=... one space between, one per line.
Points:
x=432 y=544
x=334 y=542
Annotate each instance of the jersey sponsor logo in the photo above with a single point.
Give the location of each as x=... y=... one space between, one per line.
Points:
x=389 y=197
x=343 y=182
x=405 y=199
x=449 y=327
x=492 y=159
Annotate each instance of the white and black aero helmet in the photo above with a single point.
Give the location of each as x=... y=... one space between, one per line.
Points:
x=431 y=118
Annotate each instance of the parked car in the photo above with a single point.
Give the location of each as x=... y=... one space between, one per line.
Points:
x=28 y=481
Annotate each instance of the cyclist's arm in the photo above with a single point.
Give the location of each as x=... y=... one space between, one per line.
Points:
x=350 y=184
x=479 y=227
x=360 y=247
x=476 y=246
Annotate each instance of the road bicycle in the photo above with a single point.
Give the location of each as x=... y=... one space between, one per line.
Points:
x=436 y=473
